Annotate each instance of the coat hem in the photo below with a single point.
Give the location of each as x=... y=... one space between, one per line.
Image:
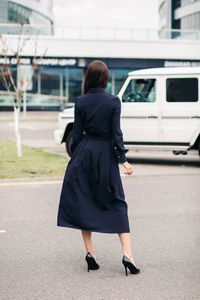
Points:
x=92 y=230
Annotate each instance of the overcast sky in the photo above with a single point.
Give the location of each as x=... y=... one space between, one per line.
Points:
x=110 y=13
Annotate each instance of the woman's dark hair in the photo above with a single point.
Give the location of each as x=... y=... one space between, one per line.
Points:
x=97 y=75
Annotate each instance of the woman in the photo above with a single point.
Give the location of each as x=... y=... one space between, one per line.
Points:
x=92 y=197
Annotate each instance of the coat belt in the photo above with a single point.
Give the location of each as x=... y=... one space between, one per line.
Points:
x=97 y=137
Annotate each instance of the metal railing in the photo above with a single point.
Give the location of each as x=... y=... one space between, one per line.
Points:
x=102 y=33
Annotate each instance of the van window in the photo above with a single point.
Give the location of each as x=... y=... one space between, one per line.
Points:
x=140 y=90
x=182 y=89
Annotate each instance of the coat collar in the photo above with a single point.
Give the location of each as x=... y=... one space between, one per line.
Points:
x=96 y=90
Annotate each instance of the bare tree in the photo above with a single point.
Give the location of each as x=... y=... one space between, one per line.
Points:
x=15 y=88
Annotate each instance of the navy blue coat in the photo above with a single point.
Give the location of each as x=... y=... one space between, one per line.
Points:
x=92 y=196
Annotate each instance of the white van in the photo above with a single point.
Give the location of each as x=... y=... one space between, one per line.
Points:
x=160 y=111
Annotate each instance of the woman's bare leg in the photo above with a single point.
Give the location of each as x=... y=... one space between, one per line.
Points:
x=87 y=238
x=126 y=245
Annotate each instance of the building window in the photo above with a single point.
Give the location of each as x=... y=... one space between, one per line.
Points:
x=120 y=76
x=72 y=83
x=182 y=90
x=191 y=22
x=14 y=77
x=20 y=14
x=176 y=25
x=50 y=81
x=116 y=80
x=7 y=99
x=177 y=3
x=188 y=2
x=140 y=90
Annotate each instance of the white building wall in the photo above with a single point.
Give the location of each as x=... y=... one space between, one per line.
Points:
x=165 y=8
x=159 y=49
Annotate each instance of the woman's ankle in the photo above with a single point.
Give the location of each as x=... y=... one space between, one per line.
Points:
x=128 y=254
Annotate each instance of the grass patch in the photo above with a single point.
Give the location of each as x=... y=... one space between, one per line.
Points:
x=33 y=163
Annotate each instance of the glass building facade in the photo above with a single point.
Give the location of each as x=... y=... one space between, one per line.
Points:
x=54 y=87
x=181 y=15
x=191 y=21
x=31 y=13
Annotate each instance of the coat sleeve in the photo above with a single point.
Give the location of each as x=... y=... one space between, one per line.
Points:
x=117 y=133
x=77 y=130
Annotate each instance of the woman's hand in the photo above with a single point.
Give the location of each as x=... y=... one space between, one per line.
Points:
x=128 y=167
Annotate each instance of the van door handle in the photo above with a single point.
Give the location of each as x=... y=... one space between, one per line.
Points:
x=152 y=117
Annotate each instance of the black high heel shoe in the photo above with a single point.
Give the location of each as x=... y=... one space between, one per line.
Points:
x=92 y=264
x=128 y=264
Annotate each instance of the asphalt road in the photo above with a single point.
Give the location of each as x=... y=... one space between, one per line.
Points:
x=40 y=261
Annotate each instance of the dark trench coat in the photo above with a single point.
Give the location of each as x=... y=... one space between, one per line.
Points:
x=92 y=196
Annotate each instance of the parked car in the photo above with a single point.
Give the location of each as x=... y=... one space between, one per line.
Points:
x=160 y=111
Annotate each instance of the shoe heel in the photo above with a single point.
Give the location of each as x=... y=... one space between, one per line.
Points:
x=126 y=270
x=128 y=264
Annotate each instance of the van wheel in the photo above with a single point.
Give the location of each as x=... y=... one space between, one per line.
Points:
x=68 y=143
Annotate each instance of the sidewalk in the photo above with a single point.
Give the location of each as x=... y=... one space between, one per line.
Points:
x=30 y=116
x=29 y=179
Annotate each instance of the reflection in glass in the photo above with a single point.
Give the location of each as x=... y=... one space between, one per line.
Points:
x=72 y=83
x=120 y=76
x=50 y=81
x=116 y=80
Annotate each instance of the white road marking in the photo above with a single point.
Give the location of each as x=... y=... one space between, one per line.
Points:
x=2 y=231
